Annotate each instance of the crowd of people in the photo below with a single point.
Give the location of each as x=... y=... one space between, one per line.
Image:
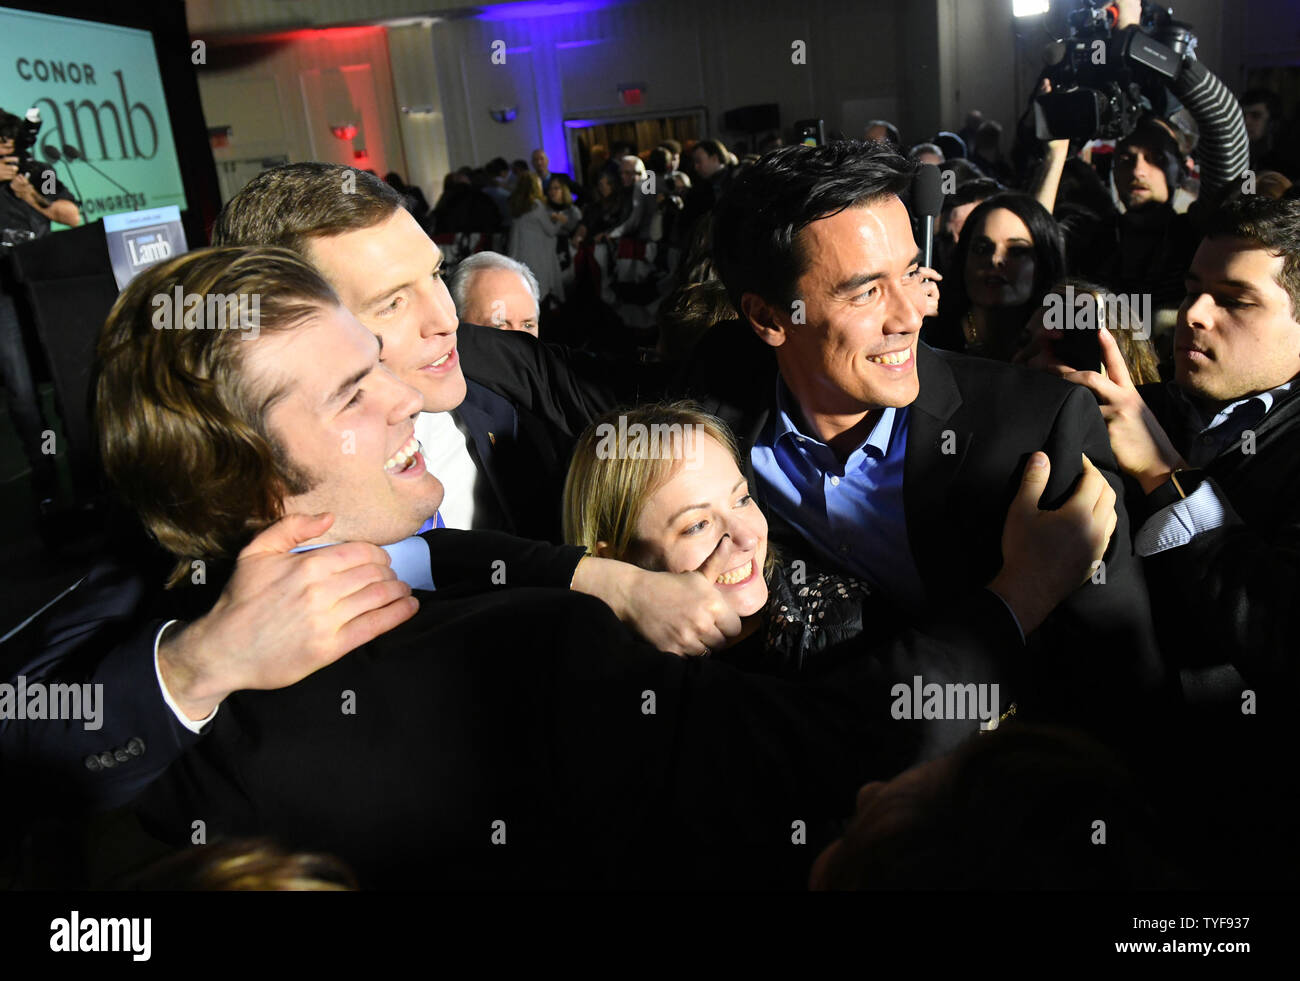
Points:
x=451 y=604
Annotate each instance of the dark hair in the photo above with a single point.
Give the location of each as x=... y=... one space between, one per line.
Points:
x=1049 y=255
x=182 y=431
x=288 y=205
x=688 y=313
x=658 y=161
x=891 y=131
x=1082 y=189
x=952 y=145
x=1271 y=100
x=971 y=192
x=1270 y=224
x=9 y=125
x=497 y=166
x=1012 y=809
x=673 y=146
x=715 y=149
x=757 y=222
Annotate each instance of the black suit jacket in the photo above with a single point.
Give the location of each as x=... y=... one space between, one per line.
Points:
x=1227 y=599
x=1226 y=606
x=523 y=461
x=103 y=633
x=971 y=430
x=564 y=389
x=604 y=761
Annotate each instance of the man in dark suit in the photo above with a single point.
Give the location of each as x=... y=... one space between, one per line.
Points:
x=503 y=462
x=522 y=738
x=879 y=456
x=1216 y=454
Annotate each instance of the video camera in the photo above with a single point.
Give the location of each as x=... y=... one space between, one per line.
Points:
x=22 y=130
x=1102 y=78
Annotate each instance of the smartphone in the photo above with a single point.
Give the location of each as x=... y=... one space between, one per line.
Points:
x=1080 y=348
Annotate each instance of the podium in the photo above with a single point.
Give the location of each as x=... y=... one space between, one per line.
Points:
x=63 y=288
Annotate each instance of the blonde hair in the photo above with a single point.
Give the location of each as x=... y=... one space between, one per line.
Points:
x=1138 y=352
x=605 y=493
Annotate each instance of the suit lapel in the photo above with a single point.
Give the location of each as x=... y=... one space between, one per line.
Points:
x=484 y=431
x=937 y=442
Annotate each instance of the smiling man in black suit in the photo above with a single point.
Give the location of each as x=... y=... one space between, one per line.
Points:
x=518 y=737
x=887 y=459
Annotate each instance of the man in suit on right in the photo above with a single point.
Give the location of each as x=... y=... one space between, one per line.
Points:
x=1216 y=452
x=877 y=455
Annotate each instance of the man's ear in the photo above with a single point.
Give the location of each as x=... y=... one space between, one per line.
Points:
x=768 y=324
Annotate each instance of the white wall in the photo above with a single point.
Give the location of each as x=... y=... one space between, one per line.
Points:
x=280 y=100
x=686 y=54
x=922 y=63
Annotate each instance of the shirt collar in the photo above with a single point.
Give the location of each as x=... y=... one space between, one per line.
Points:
x=1197 y=421
x=878 y=438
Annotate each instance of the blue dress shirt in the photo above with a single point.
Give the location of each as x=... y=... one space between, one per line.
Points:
x=410 y=556
x=852 y=512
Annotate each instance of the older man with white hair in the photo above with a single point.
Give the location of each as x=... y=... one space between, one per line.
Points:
x=493 y=289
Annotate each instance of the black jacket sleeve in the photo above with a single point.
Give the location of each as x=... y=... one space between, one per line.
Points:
x=97 y=636
x=567 y=389
x=476 y=561
x=1117 y=676
x=1230 y=594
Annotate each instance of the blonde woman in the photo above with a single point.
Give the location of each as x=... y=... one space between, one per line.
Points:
x=662 y=487
x=533 y=233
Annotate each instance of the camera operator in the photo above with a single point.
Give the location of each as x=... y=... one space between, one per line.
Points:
x=25 y=205
x=26 y=210
x=1148 y=248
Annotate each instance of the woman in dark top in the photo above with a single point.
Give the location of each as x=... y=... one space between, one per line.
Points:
x=1009 y=255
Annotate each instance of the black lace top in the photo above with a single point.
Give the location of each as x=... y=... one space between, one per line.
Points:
x=808 y=612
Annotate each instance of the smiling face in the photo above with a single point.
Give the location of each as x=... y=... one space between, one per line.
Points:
x=346 y=421
x=1237 y=334
x=1139 y=179
x=389 y=276
x=500 y=298
x=686 y=518
x=856 y=350
x=1000 y=265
